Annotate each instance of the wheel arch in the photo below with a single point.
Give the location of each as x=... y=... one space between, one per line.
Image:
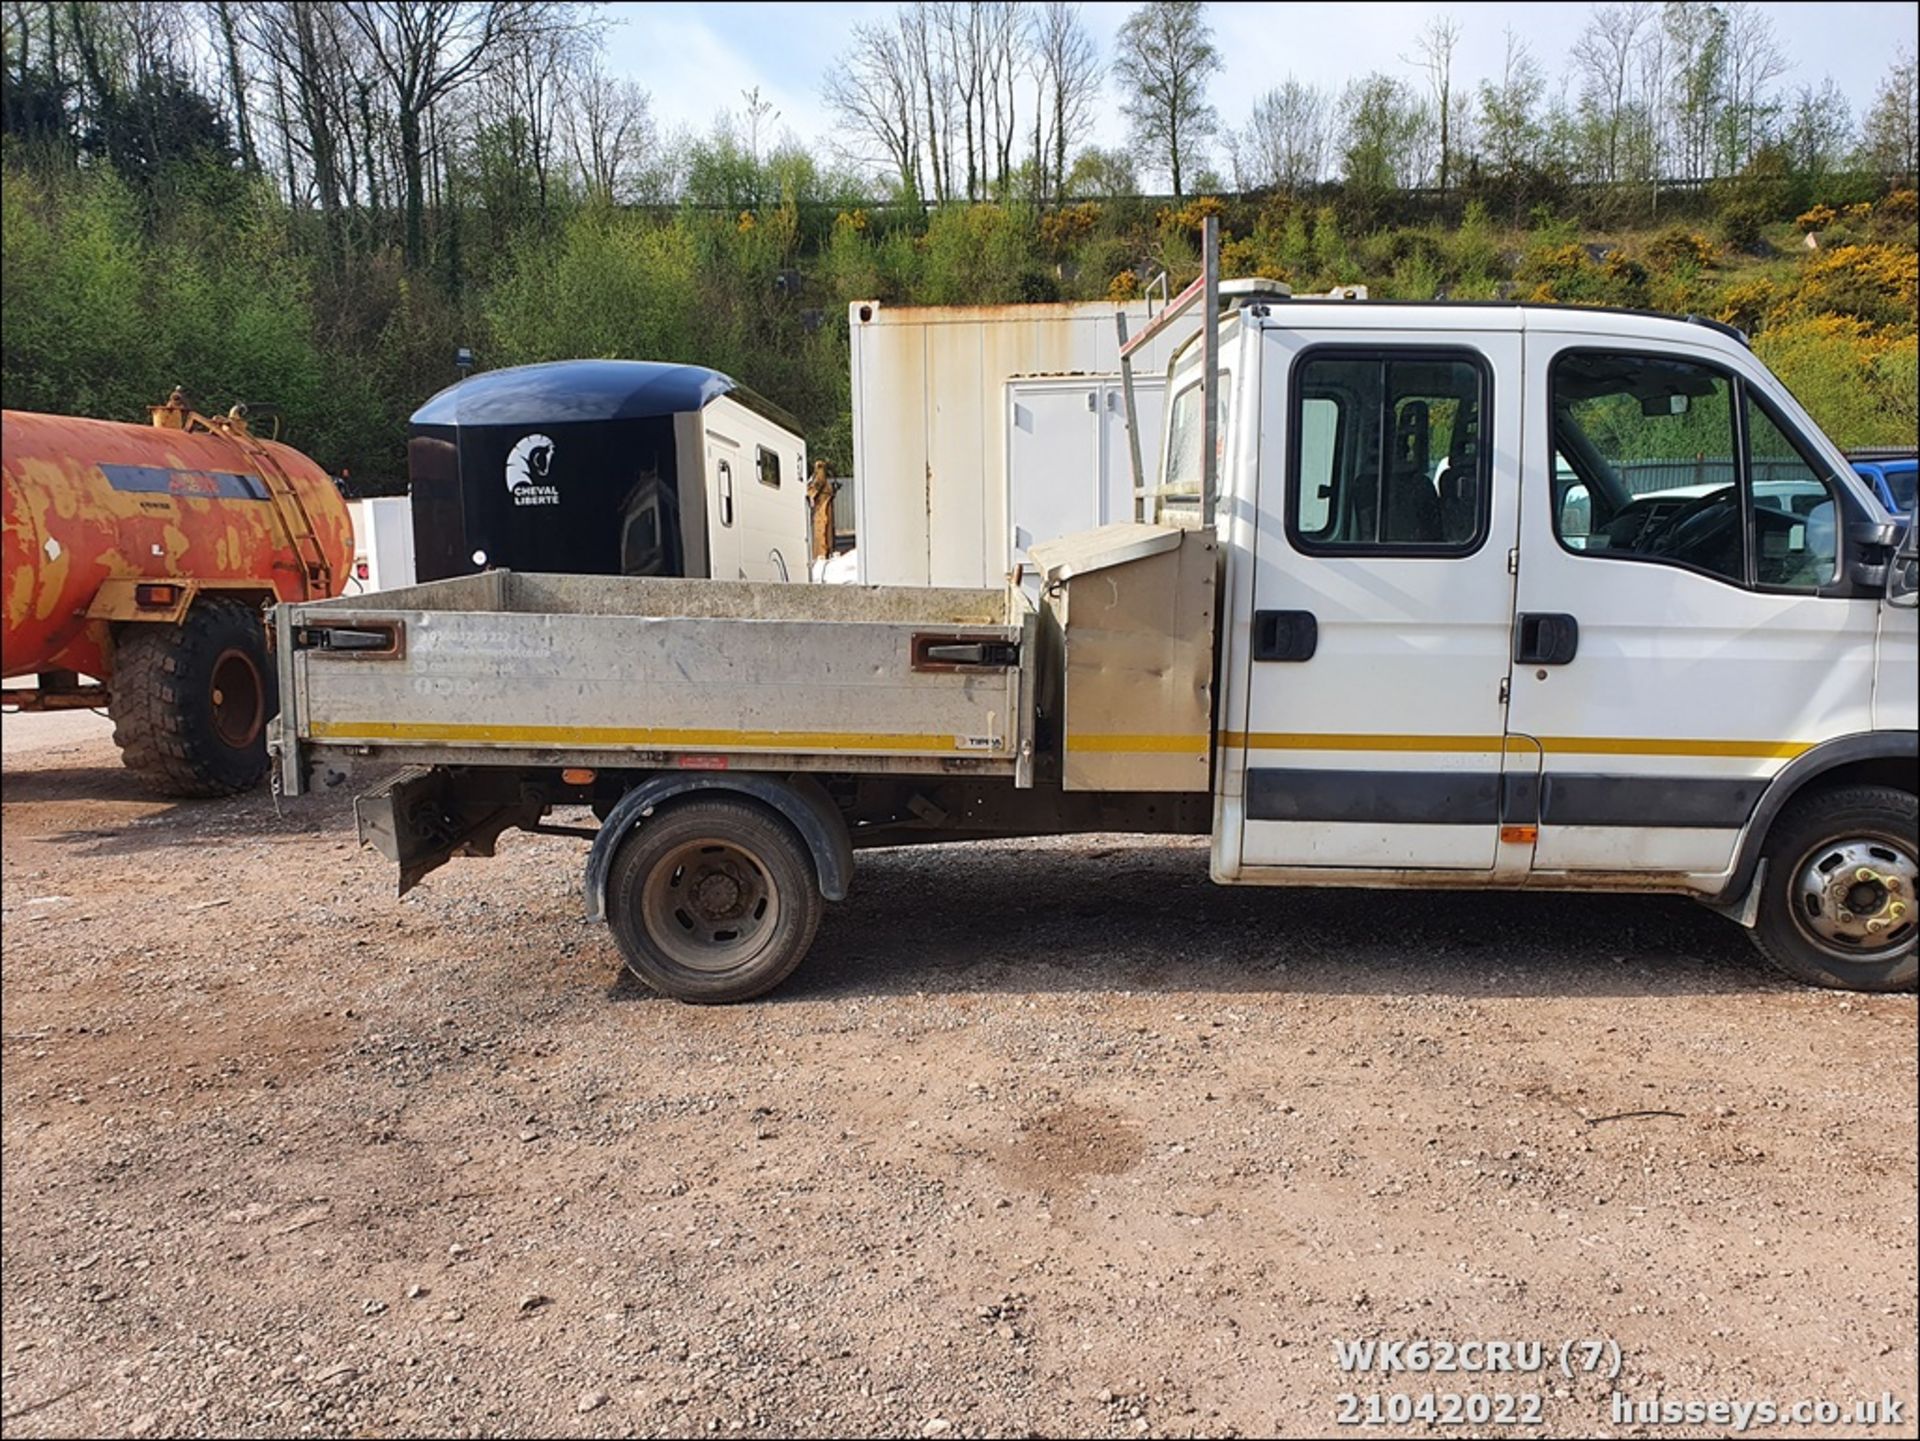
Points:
x=1884 y=758
x=801 y=801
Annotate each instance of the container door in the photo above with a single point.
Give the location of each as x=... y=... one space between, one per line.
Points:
x=1685 y=630
x=765 y=512
x=1053 y=463
x=1382 y=603
x=723 y=512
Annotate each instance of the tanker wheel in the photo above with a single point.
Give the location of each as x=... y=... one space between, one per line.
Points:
x=190 y=702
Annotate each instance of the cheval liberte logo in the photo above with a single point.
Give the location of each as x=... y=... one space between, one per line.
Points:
x=528 y=465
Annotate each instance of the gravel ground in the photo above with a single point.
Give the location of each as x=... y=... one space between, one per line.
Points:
x=1046 y=1138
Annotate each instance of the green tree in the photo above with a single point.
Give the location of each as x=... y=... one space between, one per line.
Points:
x=1888 y=139
x=1696 y=40
x=1436 y=43
x=1381 y=121
x=1510 y=122
x=1166 y=55
x=1097 y=173
x=1819 y=132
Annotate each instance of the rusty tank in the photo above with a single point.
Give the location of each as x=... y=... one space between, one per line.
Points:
x=142 y=556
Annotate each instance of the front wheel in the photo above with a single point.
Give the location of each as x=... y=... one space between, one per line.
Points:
x=1839 y=907
x=713 y=900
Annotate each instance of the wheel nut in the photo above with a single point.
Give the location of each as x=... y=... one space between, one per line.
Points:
x=1846 y=918
x=1865 y=873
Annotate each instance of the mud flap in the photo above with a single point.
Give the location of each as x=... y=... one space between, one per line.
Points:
x=420 y=818
x=1745 y=908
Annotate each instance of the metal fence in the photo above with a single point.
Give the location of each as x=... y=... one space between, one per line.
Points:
x=1641 y=477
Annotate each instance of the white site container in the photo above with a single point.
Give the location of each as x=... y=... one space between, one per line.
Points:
x=934 y=454
x=382 y=543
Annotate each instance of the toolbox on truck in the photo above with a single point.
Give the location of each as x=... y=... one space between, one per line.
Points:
x=1128 y=622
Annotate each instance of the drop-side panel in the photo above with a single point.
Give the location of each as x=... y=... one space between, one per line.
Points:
x=755 y=675
x=675 y=683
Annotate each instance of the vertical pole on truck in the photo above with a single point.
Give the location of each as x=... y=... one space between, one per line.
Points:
x=1133 y=419
x=1204 y=292
x=1209 y=368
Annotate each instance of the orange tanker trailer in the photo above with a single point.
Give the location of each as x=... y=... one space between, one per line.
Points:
x=142 y=556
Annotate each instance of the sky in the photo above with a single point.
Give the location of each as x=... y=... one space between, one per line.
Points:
x=695 y=60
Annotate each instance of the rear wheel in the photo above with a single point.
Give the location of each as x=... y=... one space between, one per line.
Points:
x=713 y=900
x=1840 y=907
x=190 y=702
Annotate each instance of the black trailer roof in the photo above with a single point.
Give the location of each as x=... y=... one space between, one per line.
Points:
x=558 y=391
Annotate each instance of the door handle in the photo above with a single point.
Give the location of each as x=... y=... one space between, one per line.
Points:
x=1285 y=635
x=1543 y=638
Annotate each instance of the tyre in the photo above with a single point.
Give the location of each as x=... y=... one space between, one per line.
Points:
x=713 y=900
x=190 y=702
x=1839 y=907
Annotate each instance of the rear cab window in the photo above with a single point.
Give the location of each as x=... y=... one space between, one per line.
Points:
x=1387 y=452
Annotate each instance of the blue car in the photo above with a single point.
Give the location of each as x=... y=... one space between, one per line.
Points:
x=1892 y=477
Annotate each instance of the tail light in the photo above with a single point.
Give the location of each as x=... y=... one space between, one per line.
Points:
x=156 y=597
x=361 y=570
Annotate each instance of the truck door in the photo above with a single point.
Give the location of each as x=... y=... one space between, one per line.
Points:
x=1685 y=626
x=1381 y=602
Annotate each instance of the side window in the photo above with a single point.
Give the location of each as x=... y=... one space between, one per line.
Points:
x=1387 y=453
x=769 y=464
x=1646 y=461
x=1185 y=473
x=1649 y=465
x=1796 y=534
x=1319 y=458
x=1183 y=443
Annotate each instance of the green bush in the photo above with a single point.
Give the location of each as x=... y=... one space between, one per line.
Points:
x=1862 y=386
x=1472 y=253
x=1741 y=224
x=1676 y=249
x=1417 y=276
x=614 y=285
x=975 y=255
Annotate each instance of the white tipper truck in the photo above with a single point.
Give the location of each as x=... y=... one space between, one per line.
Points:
x=1394 y=617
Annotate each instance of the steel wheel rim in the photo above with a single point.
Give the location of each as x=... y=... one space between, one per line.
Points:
x=238 y=699
x=710 y=905
x=1855 y=898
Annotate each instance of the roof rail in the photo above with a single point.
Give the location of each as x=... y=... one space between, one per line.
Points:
x=1733 y=331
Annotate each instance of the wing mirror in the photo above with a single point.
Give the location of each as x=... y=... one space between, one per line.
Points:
x=1903 y=574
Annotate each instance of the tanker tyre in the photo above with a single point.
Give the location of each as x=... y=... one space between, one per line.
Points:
x=190 y=702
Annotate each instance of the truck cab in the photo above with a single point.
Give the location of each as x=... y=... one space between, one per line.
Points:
x=1474 y=634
